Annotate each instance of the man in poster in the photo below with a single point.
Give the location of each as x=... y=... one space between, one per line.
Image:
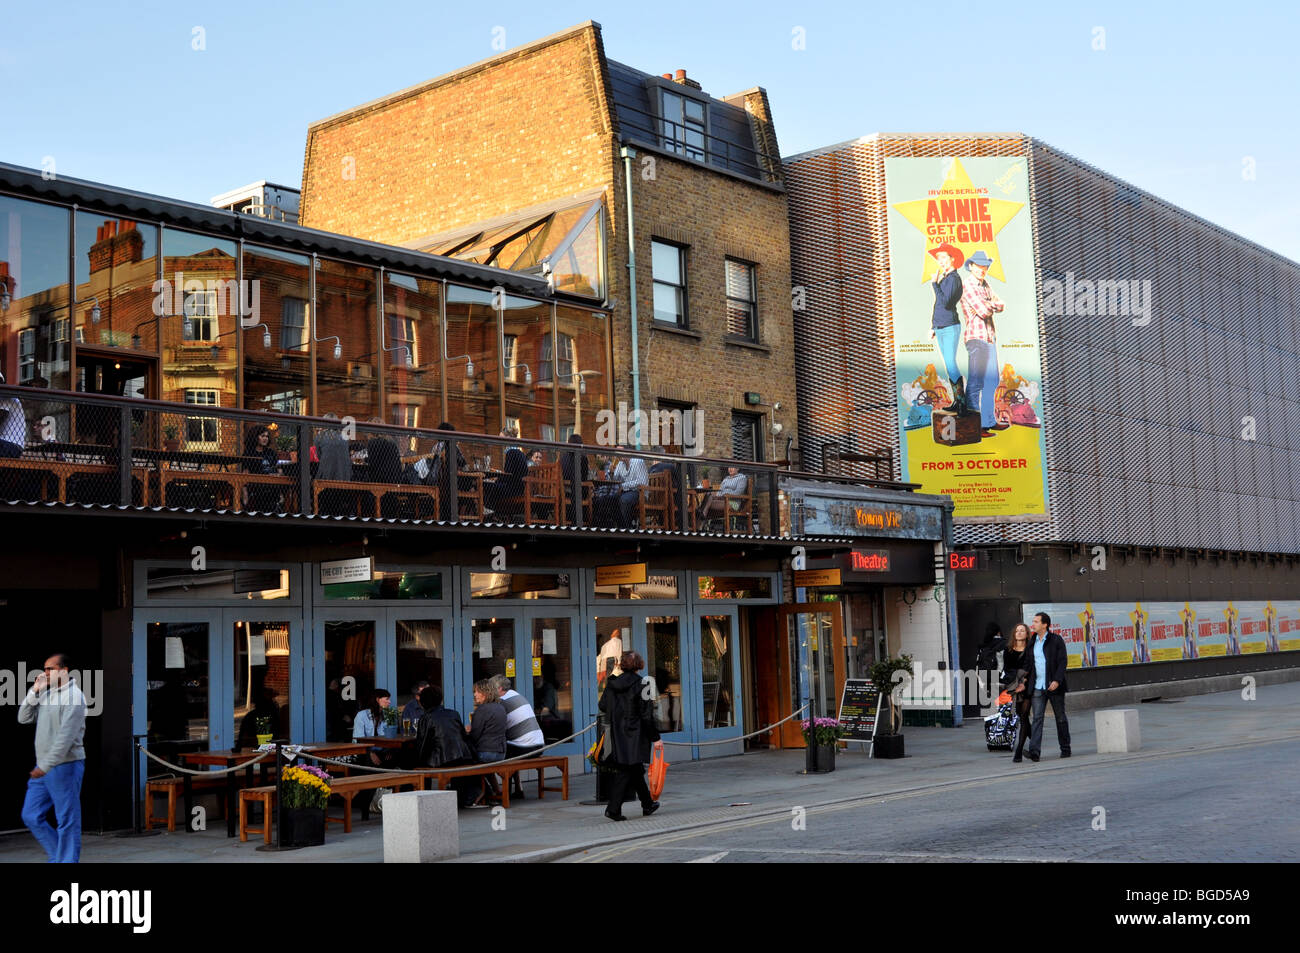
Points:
x=980 y=304
x=945 y=326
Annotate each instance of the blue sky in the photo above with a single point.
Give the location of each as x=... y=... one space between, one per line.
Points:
x=1183 y=99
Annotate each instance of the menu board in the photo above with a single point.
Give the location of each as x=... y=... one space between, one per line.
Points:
x=858 y=707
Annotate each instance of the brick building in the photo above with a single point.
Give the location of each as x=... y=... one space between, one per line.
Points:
x=467 y=165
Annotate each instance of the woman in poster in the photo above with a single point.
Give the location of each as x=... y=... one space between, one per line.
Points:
x=945 y=326
x=1189 y=632
x=1140 y=651
x=1233 y=646
x=1089 y=637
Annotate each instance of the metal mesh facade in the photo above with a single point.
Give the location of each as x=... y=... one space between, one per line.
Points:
x=1143 y=424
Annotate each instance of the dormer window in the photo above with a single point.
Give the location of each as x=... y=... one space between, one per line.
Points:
x=683 y=123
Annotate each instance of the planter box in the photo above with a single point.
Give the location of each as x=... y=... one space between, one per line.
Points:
x=825 y=758
x=303 y=827
x=888 y=746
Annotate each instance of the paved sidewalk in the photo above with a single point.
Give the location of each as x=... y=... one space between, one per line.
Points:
x=704 y=792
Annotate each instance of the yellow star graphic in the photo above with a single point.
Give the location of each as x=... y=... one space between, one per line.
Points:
x=961 y=216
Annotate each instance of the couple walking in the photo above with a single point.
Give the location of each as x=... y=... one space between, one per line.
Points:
x=1033 y=669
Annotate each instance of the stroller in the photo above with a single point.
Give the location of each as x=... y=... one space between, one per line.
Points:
x=1000 y=727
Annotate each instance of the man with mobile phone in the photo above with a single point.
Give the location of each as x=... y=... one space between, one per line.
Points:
x=58 y=708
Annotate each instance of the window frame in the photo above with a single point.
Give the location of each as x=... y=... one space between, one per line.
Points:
x=756 y=421
x=26 y=355
x=671 y=142
x=285 y=326
x=752 y=302
x=196 y=319
x=203 y=422
x=683 y=289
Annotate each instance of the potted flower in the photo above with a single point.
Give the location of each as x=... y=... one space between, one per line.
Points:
x=823 y=734
x=889 y=676
x=287 y=444
x=389 y=728
x=306 y=791
x=264 y=730
x=171 y=439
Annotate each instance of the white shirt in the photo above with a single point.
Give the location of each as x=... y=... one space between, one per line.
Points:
x=14 y=428
x=363 y=726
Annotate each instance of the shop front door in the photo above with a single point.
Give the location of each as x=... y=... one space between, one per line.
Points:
x=811 y=665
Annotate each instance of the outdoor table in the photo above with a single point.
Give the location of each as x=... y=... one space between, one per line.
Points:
x=225 y=758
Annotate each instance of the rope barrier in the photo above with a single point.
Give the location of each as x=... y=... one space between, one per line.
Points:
x=732 y=741
x=518 y=757
x=207 y=774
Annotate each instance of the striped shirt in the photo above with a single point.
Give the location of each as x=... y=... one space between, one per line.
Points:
x=521 y=722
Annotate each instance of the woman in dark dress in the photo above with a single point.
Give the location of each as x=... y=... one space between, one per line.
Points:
x=1013 y=667
x=260 y=456
x=631 y=720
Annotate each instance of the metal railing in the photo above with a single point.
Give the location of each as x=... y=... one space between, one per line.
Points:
x=98 y=451
x=711 y=150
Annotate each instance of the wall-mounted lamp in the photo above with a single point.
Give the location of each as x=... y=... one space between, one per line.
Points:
x=469 y=361
x=95 y=311
x=266 y=333
x=4 y=297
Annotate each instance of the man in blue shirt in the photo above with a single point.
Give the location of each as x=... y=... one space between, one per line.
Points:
x=1045 y=667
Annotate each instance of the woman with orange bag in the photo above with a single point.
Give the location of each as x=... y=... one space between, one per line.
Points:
x=629 y=709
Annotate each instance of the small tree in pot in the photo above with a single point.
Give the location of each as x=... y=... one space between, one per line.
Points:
x=889 y=738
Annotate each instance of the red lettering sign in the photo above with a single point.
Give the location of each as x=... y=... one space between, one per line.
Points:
x=869 y=561
x=963 y=561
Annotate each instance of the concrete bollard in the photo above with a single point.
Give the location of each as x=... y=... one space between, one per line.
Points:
x=420 y=827
x=1117 y=731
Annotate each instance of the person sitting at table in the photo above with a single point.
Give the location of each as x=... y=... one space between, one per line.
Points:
x=260 y=456
x=438 y=474
x=334 y=462
x=580 y=475
x=631 y=476
x=510 y=485
x=487 y=733
x=715 y=504
x=370 y=721
x=441 y=741
x=384 y=460
x=412 y=711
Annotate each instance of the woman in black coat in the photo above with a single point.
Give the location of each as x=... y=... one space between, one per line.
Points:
x=487 y=733
x=1013 y=665
x=630 y=716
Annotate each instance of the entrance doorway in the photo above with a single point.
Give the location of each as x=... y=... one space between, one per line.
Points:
x=802 y=657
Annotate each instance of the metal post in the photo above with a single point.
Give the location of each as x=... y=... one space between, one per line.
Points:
x=305 y=504
x=773 y=504
x=683 y=480
x=124 y=494
x=451 y=470
x=575 y=487
x=279 y=799
x=135 y=782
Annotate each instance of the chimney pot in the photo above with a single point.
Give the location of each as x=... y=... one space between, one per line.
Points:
x=668 y=75
x=681 y=75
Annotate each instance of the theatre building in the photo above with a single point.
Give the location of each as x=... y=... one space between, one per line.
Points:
x=1132 y=462
x=222 y=496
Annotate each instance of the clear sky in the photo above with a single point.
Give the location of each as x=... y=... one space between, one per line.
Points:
x=1192 y=101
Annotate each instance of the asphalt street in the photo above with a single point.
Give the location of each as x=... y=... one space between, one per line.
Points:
x=1232 y=803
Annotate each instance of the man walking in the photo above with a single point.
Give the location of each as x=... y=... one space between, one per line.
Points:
x=58 y=708
x=1045 y=665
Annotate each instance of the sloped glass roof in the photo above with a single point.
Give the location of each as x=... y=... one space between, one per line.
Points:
x=568 y=243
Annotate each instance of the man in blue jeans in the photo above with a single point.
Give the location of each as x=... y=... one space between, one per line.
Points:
x=980 y=305
x=58 y=708
x=1045 y=663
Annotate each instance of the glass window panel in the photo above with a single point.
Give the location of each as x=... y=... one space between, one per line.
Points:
x=419 y=657
x=277 y=377
x=527 y=323
x=349 y=652
x=577 y=268
x=668 y=305
x=735 y=587
x=413 y=391
x=388 y=585
x=345 y=319
x=694 y=111
x=667 y=262
x=613 y=638
x=261 y=681
x=182 y=584
x=472 y=402
x=516 y=248
x=117 y=263
x=176 y=689
x=35 y=273
x=200 y=272
x=553 y=676
x=659 y=587
x=663 y=660
x=582 y=370
x=492 y=643
x=715 y=668
x=504 y=585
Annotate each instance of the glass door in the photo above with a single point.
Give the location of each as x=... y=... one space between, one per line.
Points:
x=174 y=682
x=351 y=656
x=553 y=684
x=262 y=690
x=665 y=663
x=420 y=646
x=718 y=662
x=812 y=664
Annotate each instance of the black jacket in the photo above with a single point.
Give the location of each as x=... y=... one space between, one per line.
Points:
x=947 y=292
x=440 y=740
x=630 y=717
x=1055 y=652
x=487 y=728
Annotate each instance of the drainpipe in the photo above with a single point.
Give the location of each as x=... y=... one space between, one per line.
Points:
x=628 y=156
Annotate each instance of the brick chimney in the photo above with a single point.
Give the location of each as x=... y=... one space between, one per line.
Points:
x=682 y=80
x=116 y=243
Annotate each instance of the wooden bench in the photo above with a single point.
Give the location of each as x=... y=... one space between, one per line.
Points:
x=172 y=787
x=346 y=788
x=506 y=771
x=375 y=492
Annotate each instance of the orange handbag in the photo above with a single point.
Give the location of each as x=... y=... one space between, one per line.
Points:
x=658 y=770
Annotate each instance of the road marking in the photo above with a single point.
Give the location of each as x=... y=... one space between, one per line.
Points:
x=711 y=859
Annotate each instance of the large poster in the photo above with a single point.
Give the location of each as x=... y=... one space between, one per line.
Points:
x=966 y=352
x=1101 y=634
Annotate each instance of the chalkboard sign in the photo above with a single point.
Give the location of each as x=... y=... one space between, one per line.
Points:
x=858 y=707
